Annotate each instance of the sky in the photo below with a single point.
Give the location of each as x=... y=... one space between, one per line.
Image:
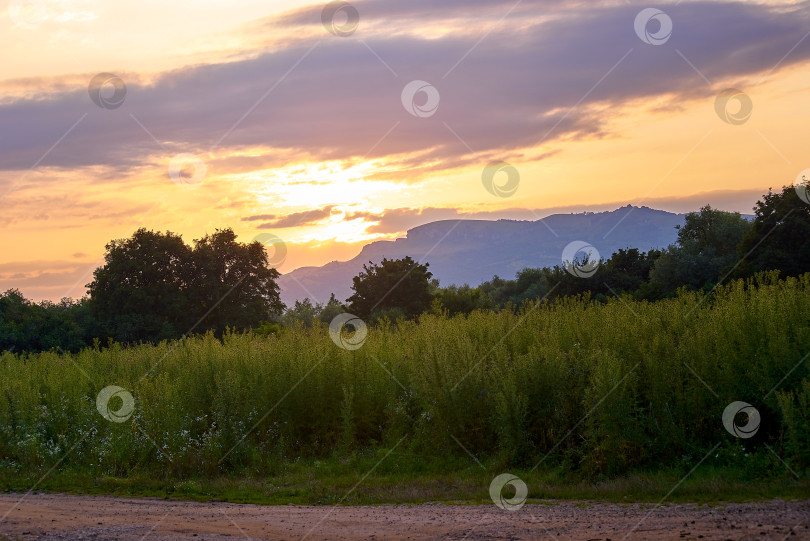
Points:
x=328 y=125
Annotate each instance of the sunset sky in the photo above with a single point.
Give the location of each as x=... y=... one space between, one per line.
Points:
x=305 y=133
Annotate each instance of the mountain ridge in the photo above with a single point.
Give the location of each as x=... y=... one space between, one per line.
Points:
x=473 y=251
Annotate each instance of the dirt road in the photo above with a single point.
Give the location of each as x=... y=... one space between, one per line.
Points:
x=54 y=516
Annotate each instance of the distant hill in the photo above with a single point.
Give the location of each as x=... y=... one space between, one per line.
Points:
x=473 y=251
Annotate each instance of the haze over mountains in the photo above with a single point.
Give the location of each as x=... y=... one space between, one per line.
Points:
x=473 y=251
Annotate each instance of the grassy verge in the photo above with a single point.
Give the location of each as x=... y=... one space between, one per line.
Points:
x=325 y=484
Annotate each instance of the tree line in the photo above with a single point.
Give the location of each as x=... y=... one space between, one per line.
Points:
x=712 y=246
x=153 y=286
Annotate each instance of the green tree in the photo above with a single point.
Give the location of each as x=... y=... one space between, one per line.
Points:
x=233 y=285
x=331 y=309
x=627 y=269
x=302 y=311
x=706 y=249
x=780 y=236
x=308 y=313
x=17 y=325
x=393 y=285
x=462 y=299
x=154 y=287
x=141 y=292
x=30 y=326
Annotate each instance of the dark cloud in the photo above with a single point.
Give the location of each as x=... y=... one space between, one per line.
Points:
x=337 y=101
x=307 y=217
x=402 y=219
x=396 y=12
x=259 y=217
x=46 y=279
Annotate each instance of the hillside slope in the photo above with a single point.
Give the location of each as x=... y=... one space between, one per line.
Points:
x=473 y=251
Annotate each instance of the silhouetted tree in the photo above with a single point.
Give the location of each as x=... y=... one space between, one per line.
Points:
x=308 y=313
x=232 y=285
x=706 y=249
x=141 y=293
x=627 y=270
x=780 y=236
x=393 y=285
x=154 y=287
x=462 y=300
x=331 y=309
x=302 y=311
x=30 y=326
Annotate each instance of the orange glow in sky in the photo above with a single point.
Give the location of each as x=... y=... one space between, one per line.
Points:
x=305 y=130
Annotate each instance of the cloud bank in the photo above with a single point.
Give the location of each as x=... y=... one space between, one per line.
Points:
x=340 y=98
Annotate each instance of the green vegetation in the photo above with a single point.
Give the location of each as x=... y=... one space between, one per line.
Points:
x=330 y=482
x=705 y=254
x=395 y=287
x=610 y=386
x=623 y=393
x=154 y=287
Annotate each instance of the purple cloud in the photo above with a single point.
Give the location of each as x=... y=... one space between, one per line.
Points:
x=334 y=99
x=296 y=219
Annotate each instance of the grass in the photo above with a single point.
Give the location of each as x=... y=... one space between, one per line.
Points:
x=607 y=400
x=318 y=485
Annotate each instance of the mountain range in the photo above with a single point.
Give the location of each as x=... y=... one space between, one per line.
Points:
x=473 y=251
